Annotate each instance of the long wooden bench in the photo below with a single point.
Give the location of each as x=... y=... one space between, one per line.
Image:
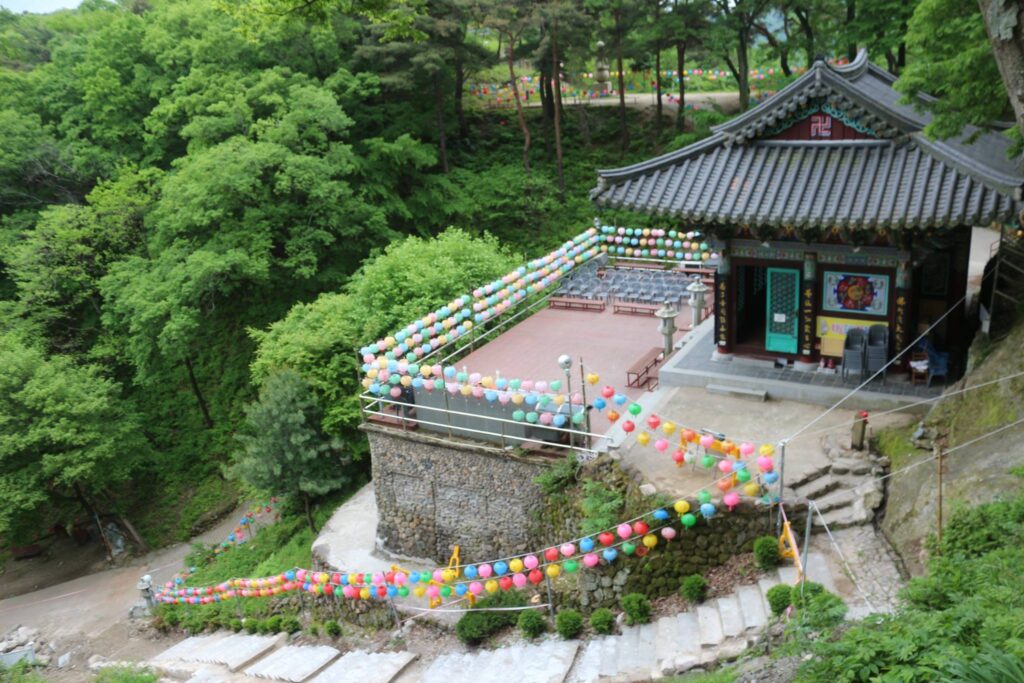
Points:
x=573 y=303
x=631 y=308
x=638 y=374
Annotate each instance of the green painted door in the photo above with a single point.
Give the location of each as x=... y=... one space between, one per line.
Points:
x=783 y=315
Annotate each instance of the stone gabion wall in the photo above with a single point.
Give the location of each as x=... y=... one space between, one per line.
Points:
x=432 y=495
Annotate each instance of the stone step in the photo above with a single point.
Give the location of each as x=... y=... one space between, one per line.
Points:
x=753 y=607
x=817 y=488
x=816 y=569
x=837 y=499
x=628 y=657
x=729 y=612
x=609 y=657
x=844 y=518
x=365 y=667
x=238 y=650
x=787 y=574
x=809 y=474
x=856 y=466
x=710 y=626
x=689 y=633
x=588 y=662
x=293 y=663
x=667 y=640
x=207 y=676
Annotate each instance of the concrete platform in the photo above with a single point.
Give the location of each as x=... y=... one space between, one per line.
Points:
x=365 y=667
x=693 y=366
x=292 y=663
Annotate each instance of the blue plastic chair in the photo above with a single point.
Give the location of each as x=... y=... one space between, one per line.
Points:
x=938 y=361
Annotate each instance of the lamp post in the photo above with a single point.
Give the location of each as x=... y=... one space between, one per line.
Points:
x=667 y=325
x=565 y=362
x=697 y=290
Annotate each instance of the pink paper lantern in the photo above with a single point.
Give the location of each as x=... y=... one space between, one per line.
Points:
x=476 y=588
x=568 y=550
x=668 y=533
x=519 y=580
x=765 y=464
x=725 y=466
x=731 y=500
x=485 y=571
x=746 y=448
x=530 y=562
x=624 y=531
x=661 y=445
x=707 y=441
x=590 y=560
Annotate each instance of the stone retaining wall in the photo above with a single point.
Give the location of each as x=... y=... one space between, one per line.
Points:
x=432 y=495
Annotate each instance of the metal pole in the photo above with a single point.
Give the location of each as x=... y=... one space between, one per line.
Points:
x=782 y=478
x=995 y=282
x=811 y=507
x=586 y=413
x=551 y=599
x=942 y=464
x=568 y=388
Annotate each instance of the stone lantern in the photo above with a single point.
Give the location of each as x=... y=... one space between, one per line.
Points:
x=602 y=72
x=697 y=290
x=667 y=326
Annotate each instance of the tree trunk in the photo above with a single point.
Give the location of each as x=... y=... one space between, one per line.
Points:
x=805 y=26
x=681 y=68
x=547 y=100
x=207 y=420
x=743 y=68
x=784 y=61
x=1007 y=39
x=309 y=512
x=623 y=125
x=442 y=137
x=140 y=543
x=657 y=86
x=851 y=14
x=91 y=511
x=556 y=71
x=519 y=105
x=460 y=84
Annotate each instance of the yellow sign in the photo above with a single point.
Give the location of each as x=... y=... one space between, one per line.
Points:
x=829 y=327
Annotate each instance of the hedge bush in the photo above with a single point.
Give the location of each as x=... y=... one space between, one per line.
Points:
x=569 y=623
x=602 y=621
x=476 y=625
x=694 y=588
x=290 y=625
x=801 y=593
x=637 y=608
x=779 y=598
x=531 y=623
x=766 y=552
x=332 y=628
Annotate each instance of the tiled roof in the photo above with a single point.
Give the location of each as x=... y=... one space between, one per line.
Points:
x=900 y=180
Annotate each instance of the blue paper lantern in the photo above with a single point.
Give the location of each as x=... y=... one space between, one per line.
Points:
x=661 y=515
x=470 y=572
x=586 y=544
x=610 y=554
x=600 y=403
x=708 y=510
x=500 y=568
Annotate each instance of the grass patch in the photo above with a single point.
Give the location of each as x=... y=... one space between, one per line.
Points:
x=717 y=676
x=894 y=443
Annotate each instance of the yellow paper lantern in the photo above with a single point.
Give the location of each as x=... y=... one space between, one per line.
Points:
x=466 y=390
x=468 y=325
x=420 y=591
x=389 y=342
x=372 y=373
x=487 y=382
x=382 y=363
x=593 y=378
x=364 y=593
x=682 y=507
x=406 y=381
x=367 y=382
x=426 y=370
x=650 y=540
x=553 y=570
x=669 y=428
x=322 y=578
x=558 y=399
x=517 y=399
x=491 y=586
x=516 y=566
x=766 y=449
x=752 y=489
x=643 y=438
x=448 y=575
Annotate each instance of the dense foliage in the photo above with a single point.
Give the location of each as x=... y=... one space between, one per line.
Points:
x=966 y=614
x=568 y=623
x=477 y=625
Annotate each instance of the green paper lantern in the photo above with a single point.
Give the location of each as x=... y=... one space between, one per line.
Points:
x=577 y=418
x=635 y=409
x=555 y=385
x=403 y=591
x=628 y=548
x=743 y=476
x=519 y=416
x=424 y=577
x=688 y=520
x=707 y=462
x=704 y=497
x=532 y=417
x=570 y=566
x=446 y=591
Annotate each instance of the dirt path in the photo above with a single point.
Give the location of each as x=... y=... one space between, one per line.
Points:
x=89 y=615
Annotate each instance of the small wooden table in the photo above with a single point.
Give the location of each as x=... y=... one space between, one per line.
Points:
x=572 y=303
x=637 y=374
x=634 y=309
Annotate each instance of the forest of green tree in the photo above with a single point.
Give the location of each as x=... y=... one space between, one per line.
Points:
x=207 y=205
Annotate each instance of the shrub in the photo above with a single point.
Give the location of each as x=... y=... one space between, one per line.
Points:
x=822 y=610
x=778 y=598
x=766 y=552
x=272 y=624
x=559 y=476
x=124 y=674
x=637 y=608
x=172 y=616
x=235 y=625
x=569 y=623
x=290 y=625
x=602 y=621
x=694 y=588
x=476 y=625
x=531 y=623
x=193 y=623
x=252 y=625
x=332 y=628
x=313 y=630
x=801 y=593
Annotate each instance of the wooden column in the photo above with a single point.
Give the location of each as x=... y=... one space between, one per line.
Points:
x=902 y=334
x=723 y=310
x=809 y=308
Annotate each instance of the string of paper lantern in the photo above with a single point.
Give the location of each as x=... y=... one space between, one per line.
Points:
x=655 y=243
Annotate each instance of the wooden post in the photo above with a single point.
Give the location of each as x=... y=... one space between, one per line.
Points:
x=942 y=467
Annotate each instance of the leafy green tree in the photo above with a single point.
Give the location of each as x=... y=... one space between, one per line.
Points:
x=953 y=62
x=285 y=449
x=67 y=440
x=1004 y=22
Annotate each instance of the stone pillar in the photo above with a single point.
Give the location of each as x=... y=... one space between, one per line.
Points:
x=723 y=281
x=808 y=314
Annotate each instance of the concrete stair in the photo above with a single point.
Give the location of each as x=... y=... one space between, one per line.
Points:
x=719 y=629
x=844 y=487
x=546 y=662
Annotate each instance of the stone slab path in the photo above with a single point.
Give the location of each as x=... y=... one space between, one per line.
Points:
x=293 y=663
x=546 y=662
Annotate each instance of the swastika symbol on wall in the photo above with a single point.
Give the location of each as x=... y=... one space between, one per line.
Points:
x=821 y=126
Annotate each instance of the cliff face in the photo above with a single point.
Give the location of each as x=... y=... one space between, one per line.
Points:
x=976 y=474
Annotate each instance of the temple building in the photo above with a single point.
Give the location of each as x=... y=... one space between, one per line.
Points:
x=831 y=209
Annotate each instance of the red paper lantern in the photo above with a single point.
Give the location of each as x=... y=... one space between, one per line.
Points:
x=336 y=579
x=551 y=554
x=382 y=591
x=329 y=589
x=640 y=528
x=505 y=583
x=653 y=421
x=606 y=538
x=628 y=426
x=536 y=577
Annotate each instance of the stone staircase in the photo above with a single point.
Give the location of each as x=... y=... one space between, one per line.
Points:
x=545 y=662
x=845 y=487
x=239 y=658
x=717 y=630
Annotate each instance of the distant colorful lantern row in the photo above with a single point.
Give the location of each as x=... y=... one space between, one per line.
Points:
x=656 y=243
x=433 y=331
